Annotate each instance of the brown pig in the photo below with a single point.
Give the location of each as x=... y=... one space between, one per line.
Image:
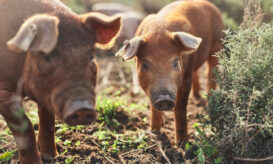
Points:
x=49 y=49
x=169 y=47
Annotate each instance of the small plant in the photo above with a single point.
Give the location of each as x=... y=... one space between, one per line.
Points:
x=62 y=128
x=6 y=156
x=68 y=160
x=203 y=149
x=67 y=143
x=107 y=109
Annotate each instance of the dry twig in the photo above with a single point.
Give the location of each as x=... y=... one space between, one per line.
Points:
x=162 y=152
x=108 y=159
x=253 y=159
x=137 y=150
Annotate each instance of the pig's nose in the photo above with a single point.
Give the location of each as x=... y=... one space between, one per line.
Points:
x=164 y=102
x=80 y=112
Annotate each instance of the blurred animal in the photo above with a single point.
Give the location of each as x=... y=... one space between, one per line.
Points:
x=46 y=53
x=169 y=47
x=130 y=18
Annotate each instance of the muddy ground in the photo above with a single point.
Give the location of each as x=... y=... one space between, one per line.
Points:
x=82 y=145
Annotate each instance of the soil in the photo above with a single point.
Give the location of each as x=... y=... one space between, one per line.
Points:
x=116 y=74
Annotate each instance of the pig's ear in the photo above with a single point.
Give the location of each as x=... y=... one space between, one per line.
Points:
x=130 y=48
x=38 y=33
x=190 y=42
x=106 y=28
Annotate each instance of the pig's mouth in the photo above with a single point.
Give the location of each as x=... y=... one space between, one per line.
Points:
x=79 y=112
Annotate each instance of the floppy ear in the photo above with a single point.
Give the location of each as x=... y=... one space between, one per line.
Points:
x=130 y=48
x=106 y=28
x=37 y=33
x=190 y=42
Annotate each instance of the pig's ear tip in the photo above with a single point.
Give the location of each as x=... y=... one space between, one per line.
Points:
x=12 y=46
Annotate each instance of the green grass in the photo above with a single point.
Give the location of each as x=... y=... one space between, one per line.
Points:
x=114 y=142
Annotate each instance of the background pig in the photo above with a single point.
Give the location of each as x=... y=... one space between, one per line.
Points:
x=169 y=48
x=130 y=18
x=109 y=8
x=51 y=54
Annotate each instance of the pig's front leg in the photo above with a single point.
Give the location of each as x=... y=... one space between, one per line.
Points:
x=21 y=129
x=156 y=119
x=46 y=138
x=180 y=111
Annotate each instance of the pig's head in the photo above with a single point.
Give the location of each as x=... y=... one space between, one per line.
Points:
x=160 y=65
x=59 y=71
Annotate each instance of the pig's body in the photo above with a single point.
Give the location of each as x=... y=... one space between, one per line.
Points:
x=50 y=53
x=168 y=54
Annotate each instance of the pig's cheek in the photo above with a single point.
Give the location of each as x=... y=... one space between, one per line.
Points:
x=144 y=82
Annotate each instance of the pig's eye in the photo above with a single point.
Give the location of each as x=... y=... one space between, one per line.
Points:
x=176 y=65
x=145 y=65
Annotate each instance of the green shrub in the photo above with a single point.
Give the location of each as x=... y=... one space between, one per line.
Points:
x=241 y=110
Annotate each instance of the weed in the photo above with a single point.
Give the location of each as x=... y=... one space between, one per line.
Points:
x=62 y=128
x=69 y=160
x=77 y=143
x=107 y=109
x=6 y=156
x=67 y=143
x=202 y=147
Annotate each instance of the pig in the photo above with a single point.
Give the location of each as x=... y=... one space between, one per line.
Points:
x=47 y=50
x=169 y=47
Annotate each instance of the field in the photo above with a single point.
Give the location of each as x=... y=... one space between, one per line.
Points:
x=232 y=125
x=121 y=134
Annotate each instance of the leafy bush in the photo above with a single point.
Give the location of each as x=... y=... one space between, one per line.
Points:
x=241 y=110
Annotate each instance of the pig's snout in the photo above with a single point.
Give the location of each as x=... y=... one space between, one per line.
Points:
x=80 y=112
x=163 y=100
